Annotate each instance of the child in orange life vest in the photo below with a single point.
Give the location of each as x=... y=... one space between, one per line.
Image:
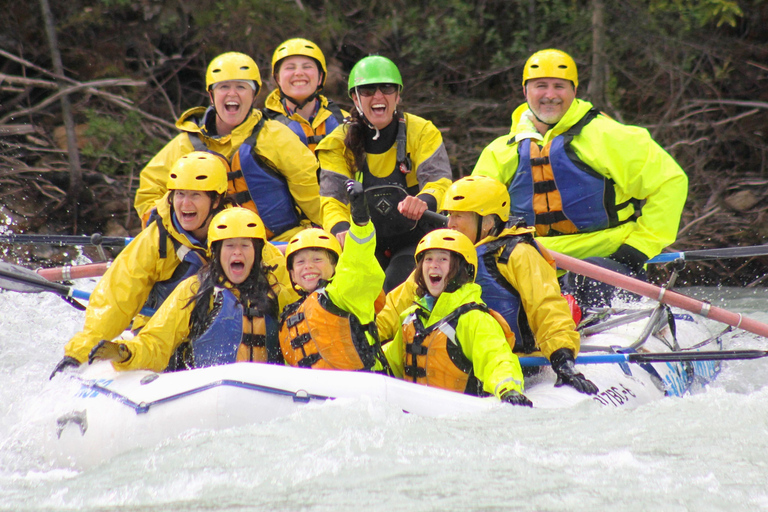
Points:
x=448 y=338
x=224 y=314
x=332 y=326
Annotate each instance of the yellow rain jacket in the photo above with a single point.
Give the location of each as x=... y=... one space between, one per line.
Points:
x=123 y=290
x=357 y=280
x=321 y=125
x=532 y=275
x=430 y=168
x=480 y=336
x=639 y=167
x=276 y=145
x=169 y=327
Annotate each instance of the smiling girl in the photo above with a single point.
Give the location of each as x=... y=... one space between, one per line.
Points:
x=300 y=72
x=448 y=338
x=332 y=326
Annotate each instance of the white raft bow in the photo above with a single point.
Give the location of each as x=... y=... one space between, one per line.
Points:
x=113 y=412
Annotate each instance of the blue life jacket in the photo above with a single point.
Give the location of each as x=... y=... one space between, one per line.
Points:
x=499 y=294
x=255 y=185
x=330 y=124
x=587 y=199
x=191 y=261
x=220 y=341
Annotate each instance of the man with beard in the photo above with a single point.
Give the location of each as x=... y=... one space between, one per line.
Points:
x=593 y=188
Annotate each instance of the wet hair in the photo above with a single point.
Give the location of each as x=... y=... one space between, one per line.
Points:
x=357 y=129
x=255 y=292
x=458 y=274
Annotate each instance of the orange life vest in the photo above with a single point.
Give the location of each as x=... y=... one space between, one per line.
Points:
x=315 y=333
x=433 y=355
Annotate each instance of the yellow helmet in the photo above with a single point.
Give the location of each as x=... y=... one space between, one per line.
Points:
x=235 y=222
x=448 y=240
x=232 y=66
x=199 y=170
x=303 y=47
x=480 y=194
x=312 y=238
x=551 y=63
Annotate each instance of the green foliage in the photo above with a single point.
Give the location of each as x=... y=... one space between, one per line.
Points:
x=700 y=13
x=118 y=144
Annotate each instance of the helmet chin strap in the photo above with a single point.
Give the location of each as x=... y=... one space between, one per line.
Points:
x=479 y=234
x=299 y=104
x=365 y=119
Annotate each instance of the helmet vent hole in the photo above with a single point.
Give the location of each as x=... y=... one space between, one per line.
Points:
x=251 y=224
x=201 y=177
x=458 y=198
x=173 y=176
x=244 y=68
x=562 y=66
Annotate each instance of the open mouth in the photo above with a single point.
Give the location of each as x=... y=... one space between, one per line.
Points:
x=188 y=216
x=435 y=279
x=379 y=109
x=237 y=266
x=232 y=107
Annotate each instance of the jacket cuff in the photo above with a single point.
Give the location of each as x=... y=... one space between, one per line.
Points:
x=430 y=200
x=339 y=227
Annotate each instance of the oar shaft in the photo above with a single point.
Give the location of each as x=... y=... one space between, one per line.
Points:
x=69 y=272
x=107 y=241
x=679 y=300
x=658 y=357
x=711 y=254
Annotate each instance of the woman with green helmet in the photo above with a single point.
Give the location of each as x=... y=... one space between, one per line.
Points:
x=300 y=72
x=399 y=158
x=272 y=173
x=225 y=313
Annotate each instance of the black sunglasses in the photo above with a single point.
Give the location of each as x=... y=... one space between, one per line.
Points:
x=370 y=90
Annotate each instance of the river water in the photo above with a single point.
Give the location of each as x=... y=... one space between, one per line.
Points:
x=707 y=451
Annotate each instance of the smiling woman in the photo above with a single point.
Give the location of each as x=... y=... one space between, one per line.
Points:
x=225 y=313
x=399 y=158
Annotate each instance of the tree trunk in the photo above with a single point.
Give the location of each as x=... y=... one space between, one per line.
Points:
x=75 y=173
x=596 y=90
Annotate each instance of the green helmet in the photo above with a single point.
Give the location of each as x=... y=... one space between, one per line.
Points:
x=374 y=69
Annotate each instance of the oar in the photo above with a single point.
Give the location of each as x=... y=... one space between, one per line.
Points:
x=23 y=280
x=657 y=357
x=679 y=300
x=69 y=272
x=711 y=254
x=95 y=239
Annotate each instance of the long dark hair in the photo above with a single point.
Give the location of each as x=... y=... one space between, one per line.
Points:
x=255 y=292
x=357 y=129
x=458 y=274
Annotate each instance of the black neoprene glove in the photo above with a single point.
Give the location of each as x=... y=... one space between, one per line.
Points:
x=514 y=398
x=358 y=207
x=109 y=351
x=563 y=363
x=66 y=362
x=630 y=258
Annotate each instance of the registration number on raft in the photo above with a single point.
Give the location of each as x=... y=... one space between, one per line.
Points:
x=615 y=396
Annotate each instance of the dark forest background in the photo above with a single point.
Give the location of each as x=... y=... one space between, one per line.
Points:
x=115 y=74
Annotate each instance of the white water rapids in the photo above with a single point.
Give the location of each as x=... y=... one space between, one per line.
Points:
x=708 y=451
